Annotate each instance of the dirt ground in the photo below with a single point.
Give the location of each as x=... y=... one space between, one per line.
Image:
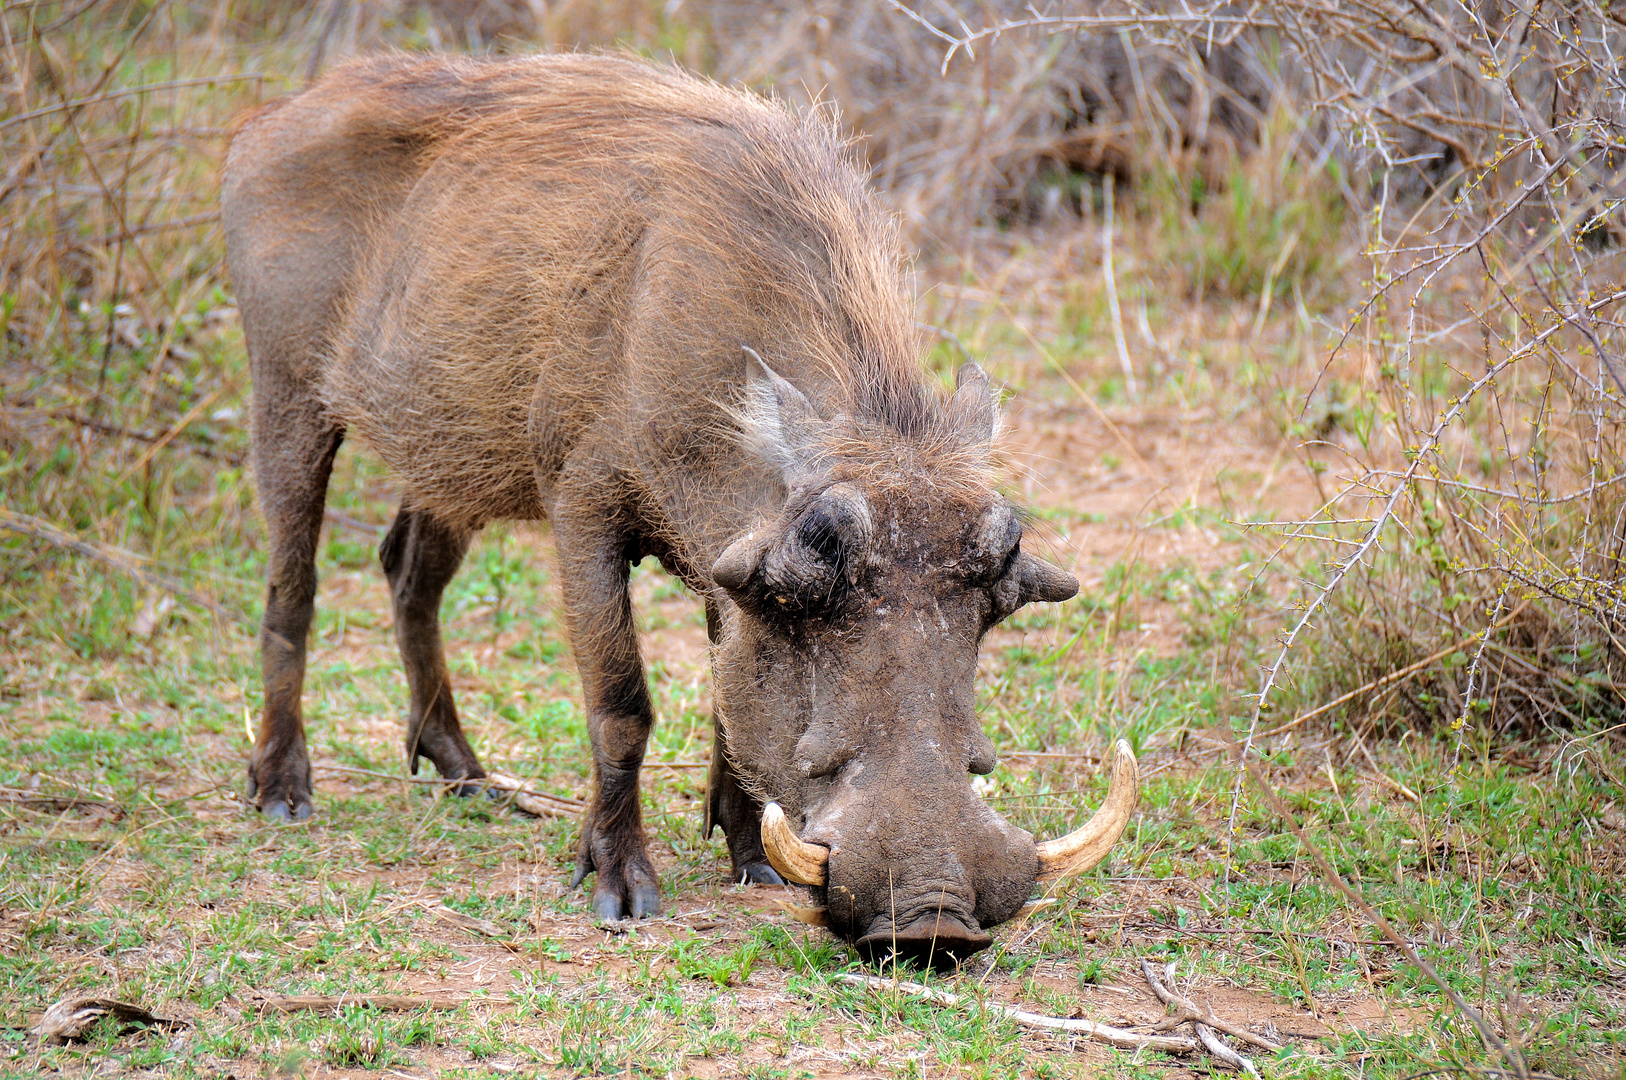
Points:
x=1109 y=476
x=162 y=888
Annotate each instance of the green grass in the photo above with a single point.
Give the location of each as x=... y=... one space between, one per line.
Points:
x=1504 y=878
x=1499 y=860
x=1503 y=872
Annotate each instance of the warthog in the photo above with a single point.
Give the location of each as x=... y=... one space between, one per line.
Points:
x=669 y=318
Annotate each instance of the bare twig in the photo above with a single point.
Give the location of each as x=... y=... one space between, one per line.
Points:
x=163 y=440
x=191 y=446
x=1164 y=989
x=1216 y=1046
x=1369 y=542
x=1112 y=290
x=535 y=803
x=1119 y=1037
x=117 y=558
x=210 y=81
x=191 y=222
x=291 y=1003
x=472 y=923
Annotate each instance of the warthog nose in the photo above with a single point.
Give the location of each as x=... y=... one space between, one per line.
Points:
x=937 y=938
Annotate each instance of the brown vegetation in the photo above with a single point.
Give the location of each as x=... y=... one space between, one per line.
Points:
x=1367 y=262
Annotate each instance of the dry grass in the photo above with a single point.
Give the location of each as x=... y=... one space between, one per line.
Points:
x=1160 y=426
x=1462 y=420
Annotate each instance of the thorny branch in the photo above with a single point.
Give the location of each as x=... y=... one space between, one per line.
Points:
x=1506 y=122
x=1457 y=130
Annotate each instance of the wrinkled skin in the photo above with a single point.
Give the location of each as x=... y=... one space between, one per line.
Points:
x=873 y=670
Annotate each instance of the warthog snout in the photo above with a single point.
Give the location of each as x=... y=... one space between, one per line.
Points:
x=937 y=896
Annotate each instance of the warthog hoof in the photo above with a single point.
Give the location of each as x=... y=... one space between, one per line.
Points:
x=444 y=744
x=646 y=901
x=626 y=885
x=279 y=785
x=758 y=873
x=277 y=810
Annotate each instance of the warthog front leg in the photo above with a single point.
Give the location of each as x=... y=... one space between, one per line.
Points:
x=293 y=457
x=728 y=803
x=731 y=806
x=594 y=568
x=420 y=556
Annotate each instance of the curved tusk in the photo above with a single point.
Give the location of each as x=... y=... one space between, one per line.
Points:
x=795 y=859
x=1033 y=905
x=812 y=916
x=1084 y=847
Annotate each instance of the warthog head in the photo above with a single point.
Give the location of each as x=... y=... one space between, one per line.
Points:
x=845 y=676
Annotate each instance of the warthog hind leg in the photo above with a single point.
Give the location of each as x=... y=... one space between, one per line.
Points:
x=420 y=556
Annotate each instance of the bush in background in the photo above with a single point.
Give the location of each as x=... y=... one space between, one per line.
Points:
x=1454 y=174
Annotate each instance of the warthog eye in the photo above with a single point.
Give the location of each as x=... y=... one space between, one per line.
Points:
x=808 y=567
x=822 y=536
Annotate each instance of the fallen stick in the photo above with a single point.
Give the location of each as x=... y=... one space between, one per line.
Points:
x=1222 y=1053
x=535 y=803
x=124 y=561
x=73 y=1019
x=1119 y=1037
x=293 y=1003
x=1203 y=1024
x=1166 y=994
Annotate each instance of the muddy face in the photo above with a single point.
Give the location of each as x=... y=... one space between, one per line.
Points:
x=845 y=679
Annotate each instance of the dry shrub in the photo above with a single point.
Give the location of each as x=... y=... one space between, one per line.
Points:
x=1464 y=426
x=1480 y=450
x=1011 y=130
x=111 y=294
x=115 y=318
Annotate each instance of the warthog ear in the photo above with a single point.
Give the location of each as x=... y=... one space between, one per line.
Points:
x=739 y=560
x=974 y=403
x=1029 y=580
x=780 y=423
